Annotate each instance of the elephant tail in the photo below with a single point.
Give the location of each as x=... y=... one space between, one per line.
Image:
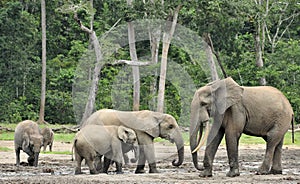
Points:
x=293 y=131
x=72 y=159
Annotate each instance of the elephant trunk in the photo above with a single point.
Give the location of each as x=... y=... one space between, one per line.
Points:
x=195 y=127
x=36 y=159
x=178 y=139
x=136 y=151
x=194 y=143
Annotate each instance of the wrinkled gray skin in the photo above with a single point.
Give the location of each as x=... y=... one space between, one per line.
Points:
x=147 y=125
x=48 y=137
x=28 y=138
x=125 y=149
x=96 y=140
x=258 y=111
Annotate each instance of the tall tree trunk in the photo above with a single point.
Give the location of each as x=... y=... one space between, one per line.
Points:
x=89 y=107
x=167 y=37
x=154 y=35
x=210 y=59
x=135 y=69
x=259 y=45
x=259 y=58
x=43 y=86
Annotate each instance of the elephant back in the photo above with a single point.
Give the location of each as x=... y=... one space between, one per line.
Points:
x=96 y=136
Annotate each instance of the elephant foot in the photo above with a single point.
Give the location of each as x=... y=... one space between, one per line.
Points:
x=152 y=168
x=140 y=169
x=120 y=172
x=273 y=171
x=94 y=171
x=233 y=173
x=153 y=171
x=78 y=171
x=206 y=173
x=262 y=172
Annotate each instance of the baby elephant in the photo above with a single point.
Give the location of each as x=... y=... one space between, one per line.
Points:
x=28 y=139
x=95 y=140
x=48 y=136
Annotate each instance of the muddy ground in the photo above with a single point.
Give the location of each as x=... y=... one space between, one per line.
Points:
x=57 y=168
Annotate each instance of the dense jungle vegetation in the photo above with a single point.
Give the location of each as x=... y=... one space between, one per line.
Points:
x=240 y=31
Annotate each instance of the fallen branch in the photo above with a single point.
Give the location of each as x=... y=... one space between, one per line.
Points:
x=131 y=63
x=5 y=129
x=65 y=129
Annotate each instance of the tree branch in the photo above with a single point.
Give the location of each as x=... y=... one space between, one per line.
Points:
x=82 y=27
x=132 y=63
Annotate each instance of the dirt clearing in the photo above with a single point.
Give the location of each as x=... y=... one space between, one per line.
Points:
x=58 y=168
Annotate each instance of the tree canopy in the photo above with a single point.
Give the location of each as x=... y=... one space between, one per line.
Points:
x=232 y=25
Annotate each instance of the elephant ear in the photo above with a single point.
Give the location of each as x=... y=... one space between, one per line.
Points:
x=145 y=121
x=25 y=144
x=226 y=93
x=154 y=124
x=122 y=133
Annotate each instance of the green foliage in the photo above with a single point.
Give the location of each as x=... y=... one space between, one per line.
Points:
x=231 y=24
x=18 y=110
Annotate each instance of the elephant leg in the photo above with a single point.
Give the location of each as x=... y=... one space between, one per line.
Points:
x=98 y=163
x=50 y=147
x=276 y=166
x=44 y=147
x=18 y=156
x=119 y=168
x=126 y=158
x=210 y=153
x=106 y=164
x=91 y=166
x=141 y=162
x=78 y=159
x=150 y=156
x=232 y=141
x=272 y=141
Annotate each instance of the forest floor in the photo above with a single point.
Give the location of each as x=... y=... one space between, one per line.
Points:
x=59 y=168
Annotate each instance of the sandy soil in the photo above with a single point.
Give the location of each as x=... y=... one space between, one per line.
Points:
x=60 y=169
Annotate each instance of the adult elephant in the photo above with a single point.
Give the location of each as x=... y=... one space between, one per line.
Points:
x=147 y=125
x=259 y=111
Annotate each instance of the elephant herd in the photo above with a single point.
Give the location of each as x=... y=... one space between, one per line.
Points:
x=109 y=134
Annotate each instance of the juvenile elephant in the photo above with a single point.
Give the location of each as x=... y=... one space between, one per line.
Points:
x=258 y=111
x=28 y=138
x=147 y=125
x=48 y=137
x=94 y=140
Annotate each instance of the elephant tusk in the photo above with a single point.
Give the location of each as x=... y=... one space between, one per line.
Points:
x=201 y=143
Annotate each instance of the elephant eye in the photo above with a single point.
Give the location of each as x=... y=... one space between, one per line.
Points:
x=171 y=126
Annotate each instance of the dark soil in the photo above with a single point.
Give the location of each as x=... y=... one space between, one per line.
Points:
x=54 y=168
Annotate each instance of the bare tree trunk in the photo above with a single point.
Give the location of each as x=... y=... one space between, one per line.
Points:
x=89 y=107
x=259 y=46
x=154 y=44
x=135 y=69
x=210 y=51
x=43 y=86
x=167 y=36
x=259 y=58
x=210 y=59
